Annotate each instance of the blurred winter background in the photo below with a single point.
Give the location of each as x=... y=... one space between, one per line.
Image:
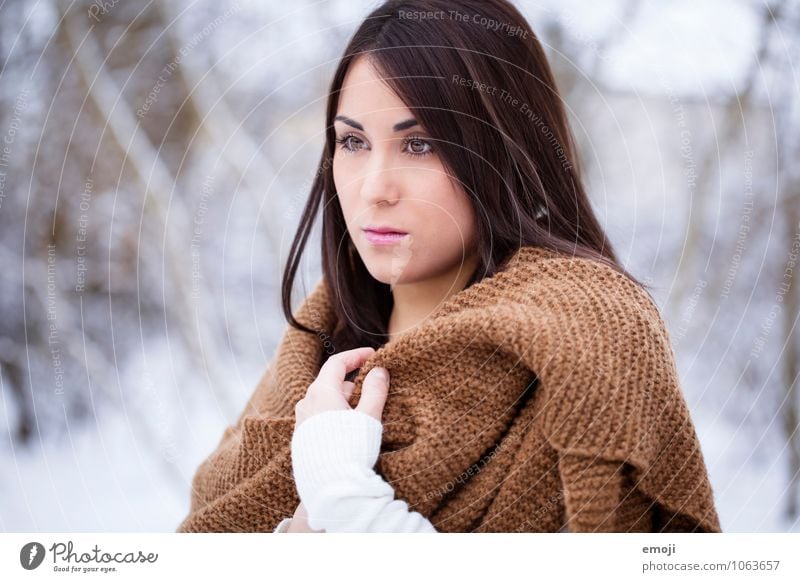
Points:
x=155 y=158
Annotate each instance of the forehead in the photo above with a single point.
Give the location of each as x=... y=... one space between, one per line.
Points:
x=366 y=97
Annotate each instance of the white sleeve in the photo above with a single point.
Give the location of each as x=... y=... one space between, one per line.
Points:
x=333 y=455
x=283 y=525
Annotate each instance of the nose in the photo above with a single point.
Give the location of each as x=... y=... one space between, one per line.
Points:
x=380 y=182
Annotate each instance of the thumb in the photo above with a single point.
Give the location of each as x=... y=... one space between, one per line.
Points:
x=374 y=391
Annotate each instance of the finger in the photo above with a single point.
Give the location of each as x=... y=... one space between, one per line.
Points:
x=347 y=389
x=374 y=392
x=300 y=411
x=334 y=370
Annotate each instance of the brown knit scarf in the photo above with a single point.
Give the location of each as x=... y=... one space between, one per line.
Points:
x=543 y=398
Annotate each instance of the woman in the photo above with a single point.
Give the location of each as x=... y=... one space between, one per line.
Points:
x=455 y=224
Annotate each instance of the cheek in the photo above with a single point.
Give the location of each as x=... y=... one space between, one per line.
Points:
x=341 y=181
x=339 y=177
x=452 y=218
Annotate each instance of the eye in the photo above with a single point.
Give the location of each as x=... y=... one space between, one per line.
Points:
x=346 y=144
x=417 y=146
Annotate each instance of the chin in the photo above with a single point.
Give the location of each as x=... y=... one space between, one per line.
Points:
x=383 y=272
x=389 y=266
x=388 y=270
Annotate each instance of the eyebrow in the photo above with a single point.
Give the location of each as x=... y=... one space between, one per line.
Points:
x=397 y=126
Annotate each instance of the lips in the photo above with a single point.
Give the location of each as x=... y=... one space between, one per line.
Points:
x=384 y=229
x=383 y=235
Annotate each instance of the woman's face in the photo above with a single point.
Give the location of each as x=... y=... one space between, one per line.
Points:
x=388 y=174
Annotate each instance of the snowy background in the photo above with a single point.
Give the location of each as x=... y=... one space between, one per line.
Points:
x=155 y=158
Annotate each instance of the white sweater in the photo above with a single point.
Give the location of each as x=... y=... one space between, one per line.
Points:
x=333 y=455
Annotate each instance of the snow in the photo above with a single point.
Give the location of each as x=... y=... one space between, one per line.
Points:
x=128 y=465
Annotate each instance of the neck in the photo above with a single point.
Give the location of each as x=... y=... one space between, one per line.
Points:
x=415 y=302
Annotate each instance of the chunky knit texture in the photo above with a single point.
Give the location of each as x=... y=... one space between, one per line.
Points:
x=543 y=398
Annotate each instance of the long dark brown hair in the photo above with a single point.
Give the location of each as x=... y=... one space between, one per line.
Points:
x=477 y=79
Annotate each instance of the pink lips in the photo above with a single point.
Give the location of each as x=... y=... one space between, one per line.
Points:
x=380 y=235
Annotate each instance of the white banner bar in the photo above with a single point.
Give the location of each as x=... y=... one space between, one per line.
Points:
x=264 y=557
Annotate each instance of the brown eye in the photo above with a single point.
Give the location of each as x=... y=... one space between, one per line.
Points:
x=417 y=146
x=347 y=145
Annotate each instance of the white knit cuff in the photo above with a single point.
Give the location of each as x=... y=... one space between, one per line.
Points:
x=283 y=525
x=333 y=455
x=333 y=446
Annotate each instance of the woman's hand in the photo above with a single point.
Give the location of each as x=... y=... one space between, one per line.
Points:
x=330 y=391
